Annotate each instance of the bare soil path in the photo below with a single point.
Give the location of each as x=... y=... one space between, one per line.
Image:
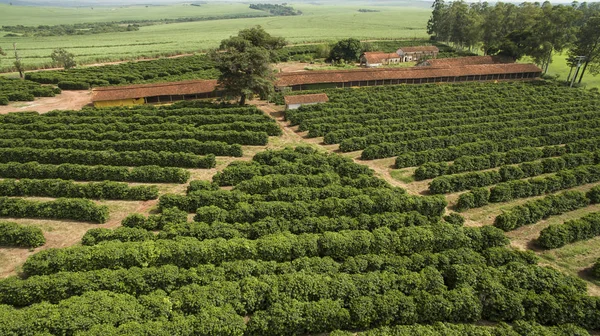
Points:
x=67 y=100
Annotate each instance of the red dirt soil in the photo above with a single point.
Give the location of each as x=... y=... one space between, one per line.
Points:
x=67 y=100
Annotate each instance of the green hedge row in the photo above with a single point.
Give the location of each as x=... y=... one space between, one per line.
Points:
x=555 y=236
x=446 y=124
x=155 y=222
x=270 y=128
x=453 y=136
x=137 y=158
x=140 y=281
x=511 y=190
x=467 y=163
x=57 y=188
x=124 y=234
x=487 y=147
x=189 y=252
x=229 y=137
x=536 y=210
x=518 y=328
x=355 y=206
x=96 y=313
x=13 y=234
x=269 y=225
x=454 y=183
x=71 y=85
x=143 y=174
x=62 y=208
x=155 y=145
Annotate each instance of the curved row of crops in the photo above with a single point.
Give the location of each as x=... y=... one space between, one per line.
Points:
x=302 y=242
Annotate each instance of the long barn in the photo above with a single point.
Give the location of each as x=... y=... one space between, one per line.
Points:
x=164 y=93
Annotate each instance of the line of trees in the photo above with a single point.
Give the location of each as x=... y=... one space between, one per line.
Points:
x=529 y=29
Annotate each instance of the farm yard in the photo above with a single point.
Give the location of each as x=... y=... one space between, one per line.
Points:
x=393 y=186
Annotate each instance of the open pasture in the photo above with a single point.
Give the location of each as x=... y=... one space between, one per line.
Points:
x=318 y=23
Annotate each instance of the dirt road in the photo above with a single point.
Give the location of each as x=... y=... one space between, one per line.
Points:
x=67 y=100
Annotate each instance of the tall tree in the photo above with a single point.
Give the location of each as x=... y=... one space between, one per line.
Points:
x=588 y=44
x=348 y=50
x=63 y=58
x=245 y=64
x=438 y=15
x=18 y=64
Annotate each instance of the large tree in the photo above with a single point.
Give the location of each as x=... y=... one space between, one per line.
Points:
x=245 y=64
x=347 y=50
x=588 y=45
x=63 y=58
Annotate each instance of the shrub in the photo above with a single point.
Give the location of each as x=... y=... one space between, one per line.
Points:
x=555 y=236
x=70 y=85
x=13 y=234
x=62 y=208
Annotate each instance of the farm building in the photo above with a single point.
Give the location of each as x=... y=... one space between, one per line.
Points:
x=415 y=75
x=409 y=54
x=294 y=102
x=153 y=93
x=375 y=59
x=462 y=61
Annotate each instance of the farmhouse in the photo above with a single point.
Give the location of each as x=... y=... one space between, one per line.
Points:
x=409 y=54
x=415 y=75
x=375 y=59
x=153 y=93
x=294 y=102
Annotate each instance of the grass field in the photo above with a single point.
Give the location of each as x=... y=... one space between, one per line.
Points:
x=318 y=23
x=559 y=67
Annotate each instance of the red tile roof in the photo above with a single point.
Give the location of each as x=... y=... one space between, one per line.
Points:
x=471 y=60
x=378 y=57
x=312 y=77
x=306 y=99
x=152 y=90
x=315 y=77
x=420 y=49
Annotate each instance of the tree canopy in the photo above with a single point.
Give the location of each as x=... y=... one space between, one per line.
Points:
x=537 y=30
x=347 y=50
x=63 y=58
x=245 y=64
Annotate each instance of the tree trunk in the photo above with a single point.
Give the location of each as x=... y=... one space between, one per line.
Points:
x=583 y=72
x=243 y=99
x=569 y=76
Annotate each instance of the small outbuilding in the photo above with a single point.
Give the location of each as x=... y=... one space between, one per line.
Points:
x=294 y=102
x=375 y=59
x=410 y=54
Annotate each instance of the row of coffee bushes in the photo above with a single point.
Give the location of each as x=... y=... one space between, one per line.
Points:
x=388 y=267
x=276 y=247
x=455 y=136
x=19 y=90
x=155 y=145
x=412 y=127
x=230 y=137
x=454 y=183
x=13 y=234
x=84 y=157
x=143 y=174
x=57 y=188
x=62 y=208
x=136 y=226
x=167 y=69
x=586 y=227
x=494 y=160
x=536 y=210
x=390 y=299
x=378 y=119
x=24 y=292
x=511 y=190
